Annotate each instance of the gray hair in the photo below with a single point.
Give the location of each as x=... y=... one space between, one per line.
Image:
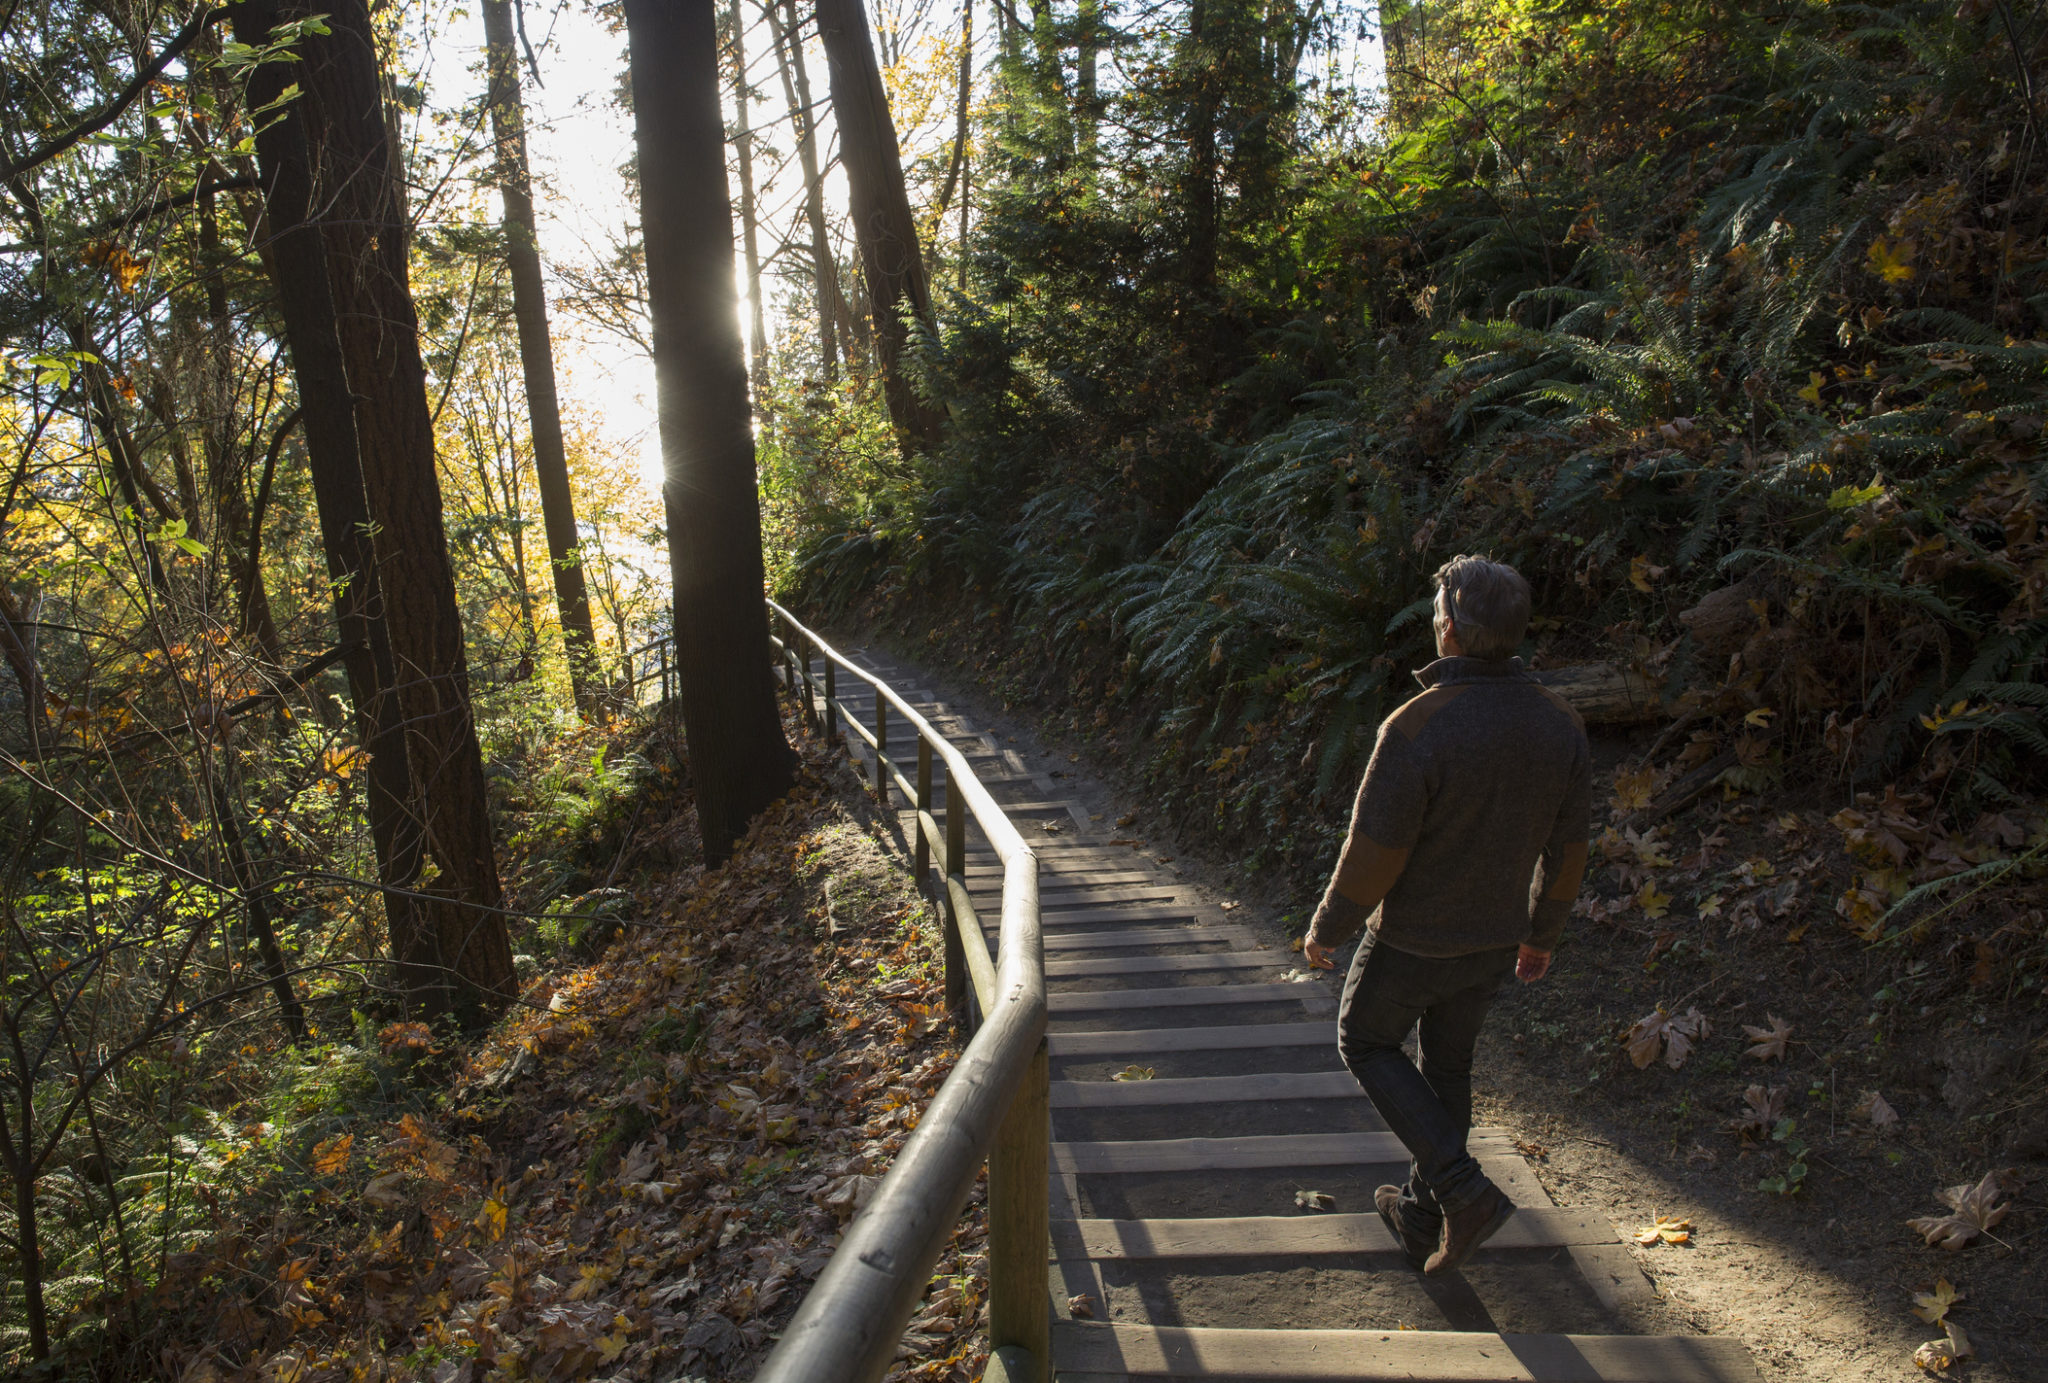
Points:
x=1486 y=602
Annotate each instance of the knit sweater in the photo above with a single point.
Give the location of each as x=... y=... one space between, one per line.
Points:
x=1470 y=828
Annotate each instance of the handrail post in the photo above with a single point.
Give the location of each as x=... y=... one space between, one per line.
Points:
x=831 y=703
x=1019 y=1221
x=923 y=805
x=881 y=748
x=811 y=716
x=956 y=864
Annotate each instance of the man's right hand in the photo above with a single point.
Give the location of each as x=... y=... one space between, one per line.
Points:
x=1531 y=964
x=1319 y=957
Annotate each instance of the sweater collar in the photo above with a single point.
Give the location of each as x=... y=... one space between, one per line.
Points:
x=1449 y=672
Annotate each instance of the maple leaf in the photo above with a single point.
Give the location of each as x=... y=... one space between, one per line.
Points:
x=1770 y=1042
x=1653 y=903
x=1973 y=1213
x=1632 y=790
x=331 y=1156
x=1134 y=1072
x=1646 y=1039
x=1315 y=1200
x=1890 y=260
x=1668 y=1229
x=1932 y=1306
x=1082 y=1306
x=1674 y=1037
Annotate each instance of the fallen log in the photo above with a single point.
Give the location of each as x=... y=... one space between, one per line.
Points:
x=1606 y=693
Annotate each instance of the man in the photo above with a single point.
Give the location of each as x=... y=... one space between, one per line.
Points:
x=1466 y=850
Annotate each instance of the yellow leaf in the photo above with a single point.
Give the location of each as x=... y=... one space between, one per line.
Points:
x=1653 y=903
x=1890 y=260
x=1134 y=1072
x=1641 y=573
x=1668 y=1229
x=491 y=1220
x=1811 y=393
x=610 y=1347
x=332 y=1156
x=1932 y=1306
x=1761 y=716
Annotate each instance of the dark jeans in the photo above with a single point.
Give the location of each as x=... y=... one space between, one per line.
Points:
x=1388 y=993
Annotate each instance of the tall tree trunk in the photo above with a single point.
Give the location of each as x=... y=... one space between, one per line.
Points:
x=224 y=476
x=1199 y=66
x=16 y=646
x=957 y=165
x=796 y=89
x=750 y=244
x=739 y=761
x=368 y=239
x=1088 y=24
x=298 y=260
x=883 y=225
x=536 y=356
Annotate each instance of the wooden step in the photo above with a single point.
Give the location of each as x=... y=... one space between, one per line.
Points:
x=1273 y=1085
x=1141 y=1040
x=1237 y=1154
x=1125 y=914
x=1135 y=936
x=1090 y=1352
x=1159 y=965
x=1056 y=894
x=1188 y=996
x=1272 y=1236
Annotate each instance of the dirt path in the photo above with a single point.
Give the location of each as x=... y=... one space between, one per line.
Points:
x=1818 y=1287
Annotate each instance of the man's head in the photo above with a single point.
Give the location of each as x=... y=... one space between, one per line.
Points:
x=1482 y=608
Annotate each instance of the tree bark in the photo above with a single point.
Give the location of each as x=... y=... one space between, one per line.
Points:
x=796 y=89
x=739 y=761
x=882 y=223
x=750 y=243
x=369 y=387
x=537 y=360
x=367 y=235
x=224 y=478
x=298 y=261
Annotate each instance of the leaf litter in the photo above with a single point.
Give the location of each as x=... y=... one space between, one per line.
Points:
x=638 y=1174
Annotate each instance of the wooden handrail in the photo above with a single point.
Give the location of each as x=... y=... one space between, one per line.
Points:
x=994 y=1107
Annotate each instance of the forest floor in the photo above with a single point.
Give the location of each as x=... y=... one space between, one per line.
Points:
x=636 y=1174
x=1817 y=1270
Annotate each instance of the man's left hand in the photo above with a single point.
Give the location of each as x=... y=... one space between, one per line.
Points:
x=1319 y=957
x=1531 y=964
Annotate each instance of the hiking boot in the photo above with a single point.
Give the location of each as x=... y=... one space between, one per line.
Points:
x=1387 y=1200
x=1465 y=1230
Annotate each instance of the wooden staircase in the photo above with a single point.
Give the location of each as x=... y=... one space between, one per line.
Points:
x=1178 y=1250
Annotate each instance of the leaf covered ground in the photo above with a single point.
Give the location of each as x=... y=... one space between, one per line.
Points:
x=639 y=1171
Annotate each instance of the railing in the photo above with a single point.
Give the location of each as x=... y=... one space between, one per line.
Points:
x=994 y=1105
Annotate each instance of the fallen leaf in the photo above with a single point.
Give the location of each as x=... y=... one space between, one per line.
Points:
x=1653 y=903
x=1082 y=1306
x=386 y=1190
x=1770 y=1042
x=1632 y=790
x=1125 y=820
x=1973 y=1213
x=1668 y=1229
x=1875 y=1108
x=1932 y=1306
x=1315 y=1200
x=332 y=1156
x=1674 y=1037
x=1134 y=1072
x=1763 y=1106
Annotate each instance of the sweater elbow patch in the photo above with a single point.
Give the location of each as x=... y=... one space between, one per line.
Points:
x=1571 y=872
x=1369 y=869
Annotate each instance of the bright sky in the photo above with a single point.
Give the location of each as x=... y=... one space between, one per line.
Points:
x=579 y=140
